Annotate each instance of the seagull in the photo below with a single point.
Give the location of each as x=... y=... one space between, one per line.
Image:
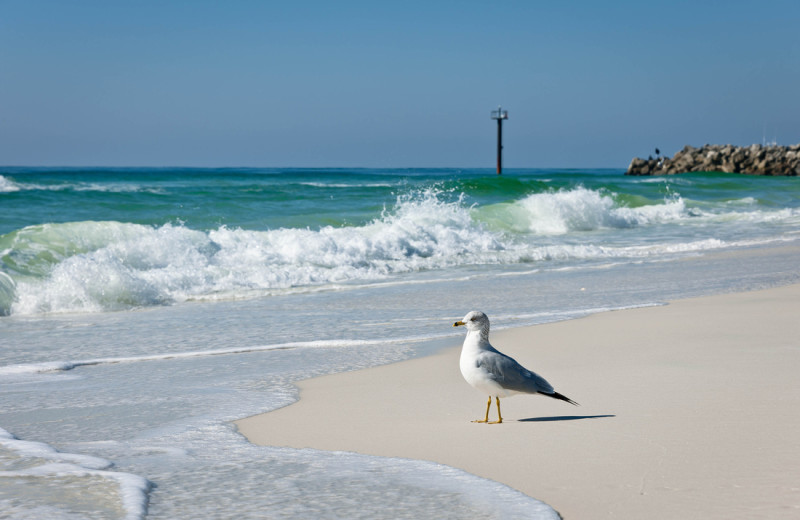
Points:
x=491 y=371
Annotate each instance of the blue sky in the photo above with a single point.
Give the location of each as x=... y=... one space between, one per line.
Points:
x=390 y=84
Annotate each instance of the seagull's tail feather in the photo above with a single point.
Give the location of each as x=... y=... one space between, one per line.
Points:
x=556 y=395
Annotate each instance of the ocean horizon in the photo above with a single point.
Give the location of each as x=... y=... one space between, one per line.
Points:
x=144 y=309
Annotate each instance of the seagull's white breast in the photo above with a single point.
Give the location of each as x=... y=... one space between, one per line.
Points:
x=475 y=375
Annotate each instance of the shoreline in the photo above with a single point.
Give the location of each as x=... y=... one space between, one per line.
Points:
x=689 y=410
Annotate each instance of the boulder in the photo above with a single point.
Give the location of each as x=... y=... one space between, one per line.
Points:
x=754 y=159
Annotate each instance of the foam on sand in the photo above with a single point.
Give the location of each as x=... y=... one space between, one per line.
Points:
x=30 y=468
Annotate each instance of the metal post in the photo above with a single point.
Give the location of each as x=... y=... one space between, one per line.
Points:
x=499 y=146
x=499 y=114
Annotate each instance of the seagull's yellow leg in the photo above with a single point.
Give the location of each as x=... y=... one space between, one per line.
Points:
x=499 y=417
x=486 y=420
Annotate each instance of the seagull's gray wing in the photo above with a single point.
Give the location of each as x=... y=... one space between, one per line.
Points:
x=511 y=375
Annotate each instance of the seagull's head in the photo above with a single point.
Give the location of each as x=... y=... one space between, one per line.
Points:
x=475 y=320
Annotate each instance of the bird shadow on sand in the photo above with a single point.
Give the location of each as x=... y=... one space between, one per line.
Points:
x=564 y=418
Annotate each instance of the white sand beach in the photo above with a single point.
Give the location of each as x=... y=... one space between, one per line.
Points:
x=688 y=410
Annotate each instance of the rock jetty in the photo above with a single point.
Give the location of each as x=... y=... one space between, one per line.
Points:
x=753 y=160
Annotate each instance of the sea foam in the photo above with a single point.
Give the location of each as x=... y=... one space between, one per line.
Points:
x=26 y=369
x=94 y=266
x=37 y=465
x=107 y=266
x=7 y=185
x=577 y=210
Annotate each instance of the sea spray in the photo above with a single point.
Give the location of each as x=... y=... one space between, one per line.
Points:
x=577 y=210
x=91 y=266
x=96 y=266
x=7 y=186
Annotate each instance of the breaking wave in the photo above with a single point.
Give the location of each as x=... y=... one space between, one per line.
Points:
x=7 y=185
x=105 y=266
x=579 y=209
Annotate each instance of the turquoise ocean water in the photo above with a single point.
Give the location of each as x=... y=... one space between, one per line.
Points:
x=141 y=310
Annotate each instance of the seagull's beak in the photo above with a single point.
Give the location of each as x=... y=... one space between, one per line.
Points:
x=458 y=323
